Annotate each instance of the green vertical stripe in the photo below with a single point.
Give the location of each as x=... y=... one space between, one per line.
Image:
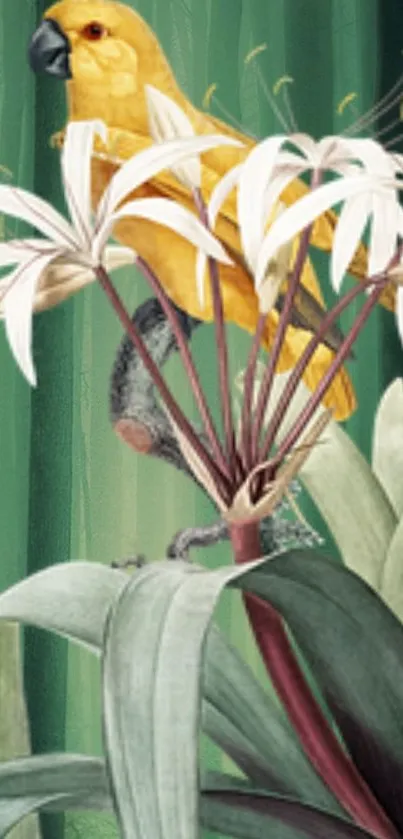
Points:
x=50 y=456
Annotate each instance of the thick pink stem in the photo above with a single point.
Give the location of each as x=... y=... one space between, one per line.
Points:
x=316 y=736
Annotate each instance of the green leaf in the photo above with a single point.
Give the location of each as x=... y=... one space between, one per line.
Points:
x=387 y=451
x=254 y=727
x=56 y=782
x=391 y=589
x=152 y=689
x=354 y=645
x=72 y=599
x=242 y=814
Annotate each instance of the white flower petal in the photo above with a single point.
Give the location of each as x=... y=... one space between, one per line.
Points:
x=218 y=196
x=115 y=257
x=18 y=307
x=168 y=121
x=350 y=227
x=39 y=213
x=384 y=232
x=21 y=250
x=254 y=179
x=146 y=164
x=76 y=172
x=308 y=146
x=177 y=218
x=304 y=212
x=285 y=175
x=372 y=155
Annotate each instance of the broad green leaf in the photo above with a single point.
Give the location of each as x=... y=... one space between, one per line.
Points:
x=50 y=600
x=72 y=599
x=239 y=749
x=245 y=815
x=345 y=490
x=354 y=646
x=387 y=450
x=256 y=722
x=152 y=689
x=56 y=782
x=392 y=580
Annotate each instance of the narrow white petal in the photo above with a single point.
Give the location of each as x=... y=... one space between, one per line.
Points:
x=254 y=179
x=39 y=213
x=20 y=250
x=304 y=212
x=146 y=164
x=201 y=266
x=384 y=231
x=399 y=312
x=284 y=176
x=371 y=154
x=350 y=227
x=218 y=196
x=76 y=172
x=309 y=147
x=221 y=192
x=18 y=307
x=177 y=218
x=167 y=120
x=115 y=257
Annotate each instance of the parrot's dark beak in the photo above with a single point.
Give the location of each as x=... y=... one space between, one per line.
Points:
x=49 y=50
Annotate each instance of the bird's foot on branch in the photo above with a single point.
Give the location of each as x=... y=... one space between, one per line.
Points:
x=196 y=537
x=131 y=562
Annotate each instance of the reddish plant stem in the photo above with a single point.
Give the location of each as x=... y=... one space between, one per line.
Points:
x=171 y=404
x=316 y=398
x=246 y=441
x=305 y=357
x=188 y=364
x=221 y=340
x=278 y=342
x=316 y=736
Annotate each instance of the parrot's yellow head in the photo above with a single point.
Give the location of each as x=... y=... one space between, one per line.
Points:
x=106 y=52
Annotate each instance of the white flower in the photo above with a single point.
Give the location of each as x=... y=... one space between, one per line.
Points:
x=261 y=180
x=367 y=184
x=73 y=250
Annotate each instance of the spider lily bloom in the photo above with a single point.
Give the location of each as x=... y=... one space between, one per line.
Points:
x=366 y=185
x=48 y=270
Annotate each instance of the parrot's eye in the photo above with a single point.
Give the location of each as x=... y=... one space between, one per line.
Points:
x=94 y=31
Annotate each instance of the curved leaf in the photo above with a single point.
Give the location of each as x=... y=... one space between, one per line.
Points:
x=254 y=723
x=354 y=645
x=245 y=815
x=392 y=580
x=387 y=450
x=56 y=782
x=72 y=599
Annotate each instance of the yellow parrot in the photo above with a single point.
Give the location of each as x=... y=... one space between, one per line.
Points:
x=107 y=54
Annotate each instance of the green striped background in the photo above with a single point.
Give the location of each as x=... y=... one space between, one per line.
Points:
x=68 y=487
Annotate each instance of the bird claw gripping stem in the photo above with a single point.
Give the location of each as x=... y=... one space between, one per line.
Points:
x=139 y=420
